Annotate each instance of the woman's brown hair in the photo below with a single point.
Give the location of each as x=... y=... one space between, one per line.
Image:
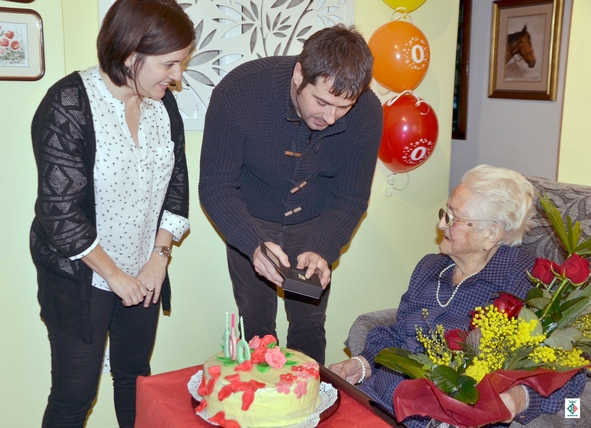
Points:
x=144 y=28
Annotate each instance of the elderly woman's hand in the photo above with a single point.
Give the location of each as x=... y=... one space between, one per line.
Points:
x=351 y=369
x=515 y=400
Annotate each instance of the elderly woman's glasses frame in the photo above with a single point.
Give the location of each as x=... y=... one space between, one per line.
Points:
x=450 y=219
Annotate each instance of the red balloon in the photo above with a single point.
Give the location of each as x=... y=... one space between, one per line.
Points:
x=410 y=133
x=401 y=55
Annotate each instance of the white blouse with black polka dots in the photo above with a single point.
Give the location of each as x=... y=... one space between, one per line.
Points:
x=130 y=181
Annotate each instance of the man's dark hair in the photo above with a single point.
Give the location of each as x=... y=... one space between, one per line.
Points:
x=143 y=27
x=341 y=56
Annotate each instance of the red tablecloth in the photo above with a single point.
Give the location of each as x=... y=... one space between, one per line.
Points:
x=163 y=401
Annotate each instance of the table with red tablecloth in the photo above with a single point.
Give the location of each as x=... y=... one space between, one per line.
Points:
x=164 y=401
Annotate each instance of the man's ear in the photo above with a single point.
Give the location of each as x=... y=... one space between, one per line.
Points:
x=297 y=77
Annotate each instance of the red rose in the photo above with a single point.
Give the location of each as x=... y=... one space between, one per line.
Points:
x=258 y=356
x=542 y=270
x=575 y=268
x=267 y=340
x=454 y=338
x=4 y=42
x=9 y=34
x=508 y=303
x=15 y=45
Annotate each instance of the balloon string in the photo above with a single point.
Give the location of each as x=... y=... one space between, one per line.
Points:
x=394 y=99
x=417 y=104
x=404 y=12
x=390 y=185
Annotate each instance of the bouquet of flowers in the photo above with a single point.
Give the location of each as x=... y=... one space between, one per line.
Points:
x=540 y=341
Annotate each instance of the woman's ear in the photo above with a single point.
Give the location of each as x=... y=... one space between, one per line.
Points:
x=130 y=61
x=494 y=235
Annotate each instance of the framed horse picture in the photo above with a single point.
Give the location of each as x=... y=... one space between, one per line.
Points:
x=525 y=49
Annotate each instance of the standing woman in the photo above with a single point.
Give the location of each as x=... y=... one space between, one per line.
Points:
x=112 y=196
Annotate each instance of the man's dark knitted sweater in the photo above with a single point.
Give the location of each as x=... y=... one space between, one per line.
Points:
x=250 y=125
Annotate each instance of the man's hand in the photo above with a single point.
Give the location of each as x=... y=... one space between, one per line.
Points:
x=265 y=268
x=313 y=263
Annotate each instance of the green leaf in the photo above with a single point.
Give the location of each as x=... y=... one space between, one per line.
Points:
x=263 y=367
x=534 y=293
x=471 y=345
x=467 y=393
x=584 y=247
x=585 y=348
x=445 y=378
x=422 y=359
x=538 y=303
x=570 y=302
x=557 y=222
x=563 y=338
x=400 y=360
x=226 y=361
x=528 y=315
x=460 y=387
x=517 y=360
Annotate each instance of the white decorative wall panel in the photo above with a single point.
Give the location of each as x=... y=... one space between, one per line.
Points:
x=231 y=32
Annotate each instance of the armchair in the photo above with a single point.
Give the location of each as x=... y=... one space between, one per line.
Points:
x=540 y=241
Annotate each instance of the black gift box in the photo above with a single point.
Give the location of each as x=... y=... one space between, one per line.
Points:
x=294 y=280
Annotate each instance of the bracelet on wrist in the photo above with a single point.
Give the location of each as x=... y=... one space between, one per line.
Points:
x=363 y=370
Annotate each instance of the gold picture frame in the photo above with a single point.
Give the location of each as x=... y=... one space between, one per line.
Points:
x=525 y=49
x=21 y=45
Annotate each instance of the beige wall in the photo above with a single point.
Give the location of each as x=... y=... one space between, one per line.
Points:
x=371 y=275
x=575 y=149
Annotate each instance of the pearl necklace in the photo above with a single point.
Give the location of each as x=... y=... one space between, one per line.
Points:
x=455 y=289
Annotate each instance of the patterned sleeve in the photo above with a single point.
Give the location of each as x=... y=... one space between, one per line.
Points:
x=554 y=402
x=60 y=131
x=392 y=336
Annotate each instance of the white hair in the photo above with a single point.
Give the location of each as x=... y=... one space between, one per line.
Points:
x=504 y=196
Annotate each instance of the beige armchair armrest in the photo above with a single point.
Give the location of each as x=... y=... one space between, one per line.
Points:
x=363 y=324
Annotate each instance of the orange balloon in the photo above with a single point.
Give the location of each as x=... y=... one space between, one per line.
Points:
x=401 y=55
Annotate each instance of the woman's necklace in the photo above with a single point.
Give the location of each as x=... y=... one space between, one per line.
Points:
x=455 y=289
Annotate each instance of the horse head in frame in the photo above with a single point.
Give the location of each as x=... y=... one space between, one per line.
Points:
x=519 y=44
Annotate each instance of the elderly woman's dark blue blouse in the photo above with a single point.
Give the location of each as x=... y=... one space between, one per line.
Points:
x=505 y=272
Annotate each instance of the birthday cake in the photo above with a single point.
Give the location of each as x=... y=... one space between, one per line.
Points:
x=258 y=384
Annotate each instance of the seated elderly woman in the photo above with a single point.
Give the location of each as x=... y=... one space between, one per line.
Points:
x=483 y=225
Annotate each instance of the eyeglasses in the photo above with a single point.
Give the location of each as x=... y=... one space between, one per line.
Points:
x=450 y=219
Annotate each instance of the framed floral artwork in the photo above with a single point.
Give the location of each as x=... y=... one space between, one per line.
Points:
x=525 y=49
x=21 y=45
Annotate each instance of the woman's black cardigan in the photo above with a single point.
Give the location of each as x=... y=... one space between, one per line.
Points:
x=65 y=219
